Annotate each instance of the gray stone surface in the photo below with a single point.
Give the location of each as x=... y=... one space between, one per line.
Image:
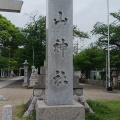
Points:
x=39 y=93
x=42 y=70
x=76 y=83
x=33 y=77
x=25 y=84
x=10 y=81
x=2 y=98
x=78 y=92
x=40 y=82
x=7 y=112
x=61 y=112
x=59 y=56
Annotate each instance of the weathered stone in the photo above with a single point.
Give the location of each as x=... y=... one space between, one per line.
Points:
x=12 y=74
x=40 y=82
x=2 y=98
x=40 y=93
x=42 y=70
x=25 y=84
x=59 y=65
x=81 y=100
x=7 y=112
x=59 y=103
x=33 y=77
x=76 y=83
x=61 y=112
x=78 y=91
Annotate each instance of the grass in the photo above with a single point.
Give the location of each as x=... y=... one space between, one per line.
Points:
x=104 y=110
x=18 y=113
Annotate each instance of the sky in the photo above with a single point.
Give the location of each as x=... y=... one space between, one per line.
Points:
x=85 y=13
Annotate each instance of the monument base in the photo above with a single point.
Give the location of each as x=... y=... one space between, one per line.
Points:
x=61 y=112
x=25 y=84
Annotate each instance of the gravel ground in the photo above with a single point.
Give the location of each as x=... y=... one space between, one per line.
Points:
x=17 y=95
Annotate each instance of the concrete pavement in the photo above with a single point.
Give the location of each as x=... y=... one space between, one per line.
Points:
x=4 y=83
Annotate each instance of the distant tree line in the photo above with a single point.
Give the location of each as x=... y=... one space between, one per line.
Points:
x=18 y=44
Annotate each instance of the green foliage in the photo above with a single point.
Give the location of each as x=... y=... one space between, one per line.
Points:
x=18 y=43
x=34 y=37
x=99 y=107
x=90 y=116
x=10 y=40
x=79 y=34
x=115 y=57
x=9 y=35
x=90 y=59
x=4 y=63
x=104 y=110
x=19 y=111
x=101 y=29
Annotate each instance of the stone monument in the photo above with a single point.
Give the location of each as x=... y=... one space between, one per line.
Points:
x=59 y=103
x=7 y=112
x=12 y=73
x=25 y=84
x=59 y=56
x=33 y=77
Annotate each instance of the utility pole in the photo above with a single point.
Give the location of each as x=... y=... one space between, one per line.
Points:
x=33 y=55
x=109 y=88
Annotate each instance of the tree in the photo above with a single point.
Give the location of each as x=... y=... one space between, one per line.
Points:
x=4 y=63
x=90 y=59
x=34 y=40
x=101 y=29
x=10 y=36
x=35 y=36
x=79 y=34
x=10 y=40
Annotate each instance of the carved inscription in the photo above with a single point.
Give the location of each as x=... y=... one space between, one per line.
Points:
x=60 y=78
x=60 y=19
x=60 y=46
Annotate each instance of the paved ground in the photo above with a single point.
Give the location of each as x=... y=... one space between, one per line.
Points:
x=97 y=92
x=16 y=94
x=6 y=81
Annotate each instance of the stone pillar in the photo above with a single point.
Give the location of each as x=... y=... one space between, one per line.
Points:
x=115 y=79
x=25 y=84
x=59 y=56
x=3 y=73
x=59 y=104
x=7 y=112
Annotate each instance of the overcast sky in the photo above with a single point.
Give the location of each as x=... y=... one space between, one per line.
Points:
x=85 y=12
